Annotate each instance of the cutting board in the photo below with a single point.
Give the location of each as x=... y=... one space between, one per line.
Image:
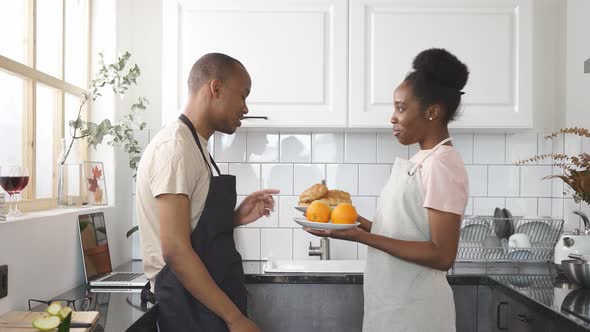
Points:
x=22 y=321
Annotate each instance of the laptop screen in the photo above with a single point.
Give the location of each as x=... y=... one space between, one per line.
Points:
x=95 y=247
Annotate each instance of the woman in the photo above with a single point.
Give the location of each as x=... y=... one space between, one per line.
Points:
x=414 y=236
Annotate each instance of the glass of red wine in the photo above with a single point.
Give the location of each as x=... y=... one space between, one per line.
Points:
x=13 y=179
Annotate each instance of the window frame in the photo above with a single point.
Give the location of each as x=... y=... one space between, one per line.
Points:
x=32 y=76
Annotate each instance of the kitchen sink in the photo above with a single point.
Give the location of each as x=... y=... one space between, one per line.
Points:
x=315 y=266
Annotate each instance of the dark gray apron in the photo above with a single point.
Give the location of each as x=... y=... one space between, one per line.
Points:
x=213 y=241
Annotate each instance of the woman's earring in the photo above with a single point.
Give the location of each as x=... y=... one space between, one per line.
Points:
x=430 y=118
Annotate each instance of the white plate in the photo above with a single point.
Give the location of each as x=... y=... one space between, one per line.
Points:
x=323 y=226
x=304 y=208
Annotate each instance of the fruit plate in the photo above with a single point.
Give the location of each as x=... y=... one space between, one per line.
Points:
x=323 y=226
x=304 y=208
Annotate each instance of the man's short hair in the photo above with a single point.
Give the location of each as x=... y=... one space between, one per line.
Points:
x=212 y=66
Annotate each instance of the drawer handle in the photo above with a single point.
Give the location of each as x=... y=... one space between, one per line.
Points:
x=256 y=117
x=522 y=318
x=501 y=317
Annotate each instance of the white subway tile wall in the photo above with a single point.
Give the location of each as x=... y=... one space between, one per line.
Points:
x=304 y=175
x=489 y=149
x=295 y=148
x=230 y=148
x=360 y=148
x=478 y=180
x=360 y=163
x=327 y=148
x=503 y=180
x=520 y=146
x=532 y=183
x=464 y=144
x=388 y=148
x=262 y=147
x=344 y=177
x=278 y=176
x=276 y=243
x=247 y=177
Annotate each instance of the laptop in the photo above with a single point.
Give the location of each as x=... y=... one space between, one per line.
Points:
x=97 y=258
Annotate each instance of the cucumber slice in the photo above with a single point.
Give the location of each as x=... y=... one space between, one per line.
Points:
x=47 y=323
x=63 y=313
x=53 y=309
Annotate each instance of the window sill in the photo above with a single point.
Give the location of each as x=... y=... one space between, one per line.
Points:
x=26 y=216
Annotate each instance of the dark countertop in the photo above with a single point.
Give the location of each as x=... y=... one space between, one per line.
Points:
x=118 y=311
x=536 y=285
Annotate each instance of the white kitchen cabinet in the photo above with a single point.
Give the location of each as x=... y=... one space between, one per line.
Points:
x=295 y=51
x=493 y=37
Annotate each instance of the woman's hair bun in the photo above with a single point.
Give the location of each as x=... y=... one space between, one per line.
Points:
x=441 y=66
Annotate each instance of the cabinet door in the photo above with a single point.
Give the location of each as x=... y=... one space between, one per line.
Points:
x=525 y=318
x=493 y=37
x=295 y=52
x=465 y=297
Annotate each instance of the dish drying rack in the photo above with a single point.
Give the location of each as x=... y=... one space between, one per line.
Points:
x=542 y=232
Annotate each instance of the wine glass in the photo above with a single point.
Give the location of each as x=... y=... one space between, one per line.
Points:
x=13 y=179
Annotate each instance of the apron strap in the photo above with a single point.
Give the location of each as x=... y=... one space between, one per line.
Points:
x=415 y=168
x=190 y=126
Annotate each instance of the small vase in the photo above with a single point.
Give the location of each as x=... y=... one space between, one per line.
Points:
x=70 y=185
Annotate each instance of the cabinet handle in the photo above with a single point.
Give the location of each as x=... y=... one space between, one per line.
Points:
x=501 y=323
x=256 y=117
x=522 y=318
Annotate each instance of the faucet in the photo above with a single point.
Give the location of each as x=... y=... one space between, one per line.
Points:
x=323 y=250
x=585 y=219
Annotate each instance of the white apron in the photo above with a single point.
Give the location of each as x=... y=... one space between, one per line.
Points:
x=400 y=295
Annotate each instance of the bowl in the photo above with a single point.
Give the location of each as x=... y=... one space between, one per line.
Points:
x=577 y=271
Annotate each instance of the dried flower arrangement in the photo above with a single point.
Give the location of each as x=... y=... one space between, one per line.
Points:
x=576 y=169
x=93 y=184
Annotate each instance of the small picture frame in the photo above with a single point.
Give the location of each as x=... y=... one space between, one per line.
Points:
x=95 y=184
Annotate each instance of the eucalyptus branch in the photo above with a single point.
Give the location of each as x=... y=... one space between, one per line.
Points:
x=122 y=134
x=75 y=128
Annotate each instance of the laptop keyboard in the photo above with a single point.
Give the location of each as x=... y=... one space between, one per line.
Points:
x=123 y=277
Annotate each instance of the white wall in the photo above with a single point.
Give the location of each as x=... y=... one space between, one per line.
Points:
x=139 y=31
x=44 y=257
x=110 y=36
x=578 y=50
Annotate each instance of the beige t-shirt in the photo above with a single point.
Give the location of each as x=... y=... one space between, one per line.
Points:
x=170 y=164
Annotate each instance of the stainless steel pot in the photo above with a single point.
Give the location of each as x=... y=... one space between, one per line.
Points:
x=577 y=270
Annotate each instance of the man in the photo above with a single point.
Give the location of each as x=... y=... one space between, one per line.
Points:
x=186 y=208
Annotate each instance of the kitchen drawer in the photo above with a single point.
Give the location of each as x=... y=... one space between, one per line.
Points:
x=512 y=315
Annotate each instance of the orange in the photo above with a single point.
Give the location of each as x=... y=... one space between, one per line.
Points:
x=344 y=213
x=318 y=211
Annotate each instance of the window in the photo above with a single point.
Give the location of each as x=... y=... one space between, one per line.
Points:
x=43 y=75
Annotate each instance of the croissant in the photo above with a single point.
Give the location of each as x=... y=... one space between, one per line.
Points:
x=315 y=192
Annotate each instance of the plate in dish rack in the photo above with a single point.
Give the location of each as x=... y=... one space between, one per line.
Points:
x=323 y=226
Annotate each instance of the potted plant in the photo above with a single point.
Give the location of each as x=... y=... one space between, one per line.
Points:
x=118 y=75
x=576 y=168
